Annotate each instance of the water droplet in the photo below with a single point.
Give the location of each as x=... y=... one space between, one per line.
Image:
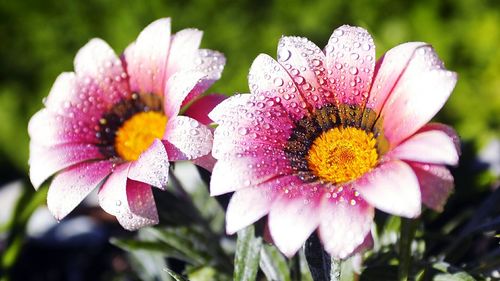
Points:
x=353 y=70
x=278 y=82
x=284 y=55
x=316 y=62
x=243 y=131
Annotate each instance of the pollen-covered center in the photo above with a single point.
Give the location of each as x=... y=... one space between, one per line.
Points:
x=342 y=154
x=138 y=133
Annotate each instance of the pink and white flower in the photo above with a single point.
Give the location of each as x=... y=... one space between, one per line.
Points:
x=115 y=122
x=328 y=135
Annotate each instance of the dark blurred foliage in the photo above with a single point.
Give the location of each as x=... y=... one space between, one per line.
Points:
x=39 y=39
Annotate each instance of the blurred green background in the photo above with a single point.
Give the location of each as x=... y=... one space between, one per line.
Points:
x=38 y=40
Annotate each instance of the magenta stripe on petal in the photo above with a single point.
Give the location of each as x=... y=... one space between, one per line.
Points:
x=420 y=93
x=72 y=185
x=346 y=220
x=436 y=184
x=350 y=58
x=152 y=166
x=292 y=219
x=393 y=188
x=268 y=80
x=432 y=146
x=200 y=108
x=146 y=58
x=305 y=62
x=45 y=161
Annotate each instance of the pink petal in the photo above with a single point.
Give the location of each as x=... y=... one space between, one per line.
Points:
x=393 y=188
x=47 y=128
x=246 y=170
x=445 y=129
x=152 y=166
x=292 y=219
x=177 y=89
x=146 y=58
x=183 y=49
x=420 y=92
x=304 y=61
x=248 y=205
x=346 y=220
x=72 y=185
x=188 y=138
x=200 y=108
x=78 y=100
x=436 y=184
x=211 y=63
x=45 y=161
x=350 y=56
x=207 y=162
x=130 y=201
x=243 y=121
x=248 y=165
x=269 y=80
x=432 y=146
x=388 y=70
x=97 y=66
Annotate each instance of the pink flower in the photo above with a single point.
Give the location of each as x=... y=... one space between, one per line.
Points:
x=114 y=123
x=326 y=136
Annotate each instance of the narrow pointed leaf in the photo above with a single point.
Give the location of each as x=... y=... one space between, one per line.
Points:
x=247 y=258
x=273 y=264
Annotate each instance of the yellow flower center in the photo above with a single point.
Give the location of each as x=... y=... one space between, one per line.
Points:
x=138 y=133
x=342 y=154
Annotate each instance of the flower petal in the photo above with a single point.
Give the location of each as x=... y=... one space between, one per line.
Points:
x=268 y=80
x=210 y=63
x=130 y=201
x=388 y=70
x=393 y=188
x=420 y=92
x=445 y=129
x=48 y=128
x=350 y=58
x=188 y=138
x=287 y=213
x=436 y=184
x=72 y=185
x=177 y=89
x=346 y=220
x=45 y=161
x=183 y=49
x=146 y=58
x=200 y=108
x=431 y=146
x=304 y=61
x=98 y=67
x=207 y=162
x=244 y=121
x=248 y=169
x=248 y=205
x=152 y=166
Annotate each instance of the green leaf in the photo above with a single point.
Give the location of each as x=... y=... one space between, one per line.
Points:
x=273 y=264
x=451 y=273
x=176 y=276
x=246 y=263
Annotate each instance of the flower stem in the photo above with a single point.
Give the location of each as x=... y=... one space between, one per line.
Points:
x=321 y=265
x=407 y=233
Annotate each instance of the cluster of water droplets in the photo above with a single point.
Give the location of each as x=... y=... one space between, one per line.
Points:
x=190 y=137
x=304 y=61
x=350 y=59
